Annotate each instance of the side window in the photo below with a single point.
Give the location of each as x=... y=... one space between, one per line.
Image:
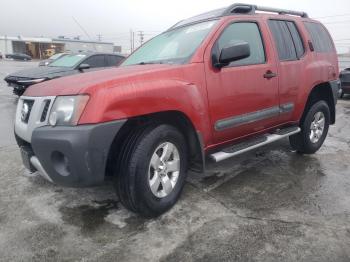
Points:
x=248 y=32
x=298 y=43
x=113 y=60
x=320 y=38
x=95 y=61
x=283 y=40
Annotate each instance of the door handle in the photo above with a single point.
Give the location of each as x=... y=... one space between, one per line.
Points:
x=269 y=74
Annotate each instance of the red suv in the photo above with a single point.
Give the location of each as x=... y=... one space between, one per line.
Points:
x=211 y=87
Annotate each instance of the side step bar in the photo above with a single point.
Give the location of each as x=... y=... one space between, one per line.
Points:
x=254 y=143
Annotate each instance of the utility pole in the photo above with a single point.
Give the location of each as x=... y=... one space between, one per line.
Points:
x=142 y=37
x=99 y=37
x=5 y=44
x=131 y=41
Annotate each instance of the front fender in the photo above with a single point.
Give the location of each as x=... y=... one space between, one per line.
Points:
x=142 y=97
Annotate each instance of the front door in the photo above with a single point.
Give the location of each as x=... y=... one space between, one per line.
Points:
x=243 y=96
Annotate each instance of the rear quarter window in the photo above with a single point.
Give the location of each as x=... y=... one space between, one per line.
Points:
x=320 y=38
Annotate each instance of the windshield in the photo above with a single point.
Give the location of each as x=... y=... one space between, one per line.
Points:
x=173 y=47
x=68 y=60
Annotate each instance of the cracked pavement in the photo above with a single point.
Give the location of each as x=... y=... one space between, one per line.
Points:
x=266 y=205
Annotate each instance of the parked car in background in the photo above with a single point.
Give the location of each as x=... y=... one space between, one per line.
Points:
x=0 y=55
x=345 y=82
x=211 y=87
x=67 y=65
x=51 y=59
x=18 y=56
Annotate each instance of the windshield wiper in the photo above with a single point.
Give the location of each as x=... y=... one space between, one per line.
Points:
x=150 y=63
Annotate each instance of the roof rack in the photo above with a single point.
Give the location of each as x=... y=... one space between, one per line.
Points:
x=251 y=9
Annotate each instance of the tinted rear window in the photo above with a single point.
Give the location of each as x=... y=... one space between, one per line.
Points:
x=113 y=60
x=320 y=38
x=283 y=40
x=298 y=43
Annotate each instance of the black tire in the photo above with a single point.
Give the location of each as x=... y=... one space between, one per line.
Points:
x=302 y=141
x=132 y=173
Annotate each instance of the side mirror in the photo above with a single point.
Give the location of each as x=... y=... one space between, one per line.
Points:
x=234 y=52
x=84 y=66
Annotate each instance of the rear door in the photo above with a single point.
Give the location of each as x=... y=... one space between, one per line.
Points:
x=291 y=65
x=243 y=96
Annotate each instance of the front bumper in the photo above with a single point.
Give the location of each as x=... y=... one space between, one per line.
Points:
x=73 y=156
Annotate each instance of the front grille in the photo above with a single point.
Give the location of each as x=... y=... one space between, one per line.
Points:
x=39 y=110
x=45 y=110
x=26 y=110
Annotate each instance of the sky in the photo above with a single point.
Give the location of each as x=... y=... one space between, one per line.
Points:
x=113 y=19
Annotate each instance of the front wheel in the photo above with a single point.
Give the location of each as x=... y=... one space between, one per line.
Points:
x=152 y=169
x=314 y=129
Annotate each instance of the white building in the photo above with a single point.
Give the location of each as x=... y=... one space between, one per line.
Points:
x=40 y=48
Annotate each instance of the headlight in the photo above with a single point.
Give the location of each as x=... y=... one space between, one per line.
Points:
x=67 y=110
x=34 y=81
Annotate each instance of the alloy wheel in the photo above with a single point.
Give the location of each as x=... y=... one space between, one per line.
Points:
x=164 y=169
x=317 y=127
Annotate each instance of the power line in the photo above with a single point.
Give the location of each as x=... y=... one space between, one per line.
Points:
x=341 y=41
x=331 y=16
x=118 y=38
x=115 y=34
x=82 y=28
x=336 y=22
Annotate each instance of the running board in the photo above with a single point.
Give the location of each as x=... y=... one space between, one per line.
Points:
x=254 y=143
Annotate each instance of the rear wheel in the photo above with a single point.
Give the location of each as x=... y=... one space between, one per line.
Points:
x=314 y=129
x=151 y=170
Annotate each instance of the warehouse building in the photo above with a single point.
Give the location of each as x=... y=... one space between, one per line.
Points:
x=41 y=48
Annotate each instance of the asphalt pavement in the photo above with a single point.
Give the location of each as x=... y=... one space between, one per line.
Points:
x=266 y=205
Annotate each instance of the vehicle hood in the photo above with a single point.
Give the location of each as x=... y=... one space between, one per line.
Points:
x=42 y=72
x=91 y=81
